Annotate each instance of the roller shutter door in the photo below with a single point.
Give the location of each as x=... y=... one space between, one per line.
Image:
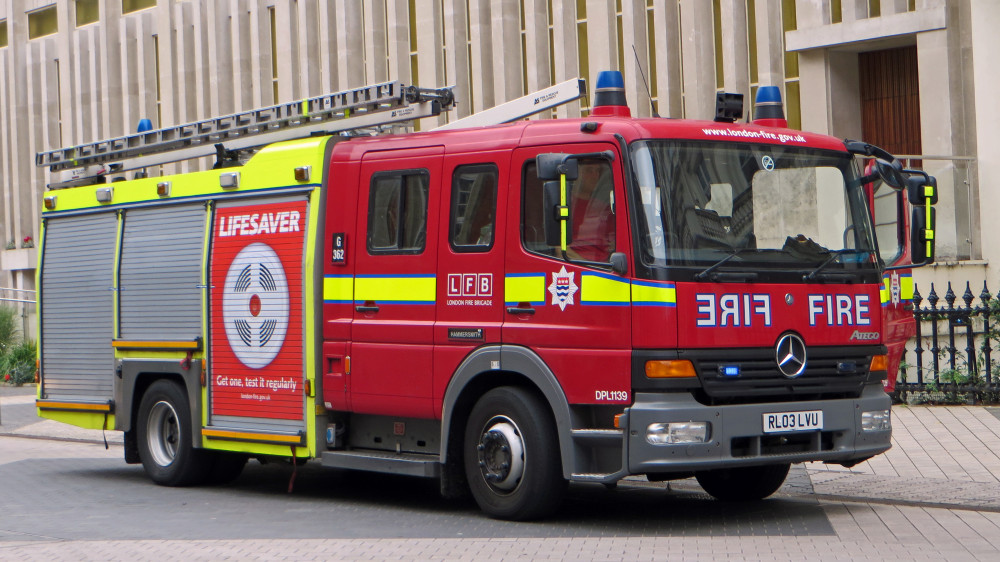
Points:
x=160 y=278
x=77 y=307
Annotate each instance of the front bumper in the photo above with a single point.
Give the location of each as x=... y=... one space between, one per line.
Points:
x=737 y=437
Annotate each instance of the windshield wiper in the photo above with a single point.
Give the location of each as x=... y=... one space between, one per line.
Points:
x=834 y=254
x=749 y=276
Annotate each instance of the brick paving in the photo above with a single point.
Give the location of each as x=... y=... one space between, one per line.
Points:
x=935 y=494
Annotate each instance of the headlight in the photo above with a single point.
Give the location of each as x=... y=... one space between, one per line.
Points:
x=677 y=432
x=876 y=420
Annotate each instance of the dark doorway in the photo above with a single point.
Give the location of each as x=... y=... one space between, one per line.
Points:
x=890 y=100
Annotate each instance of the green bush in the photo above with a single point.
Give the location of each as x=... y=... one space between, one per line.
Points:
x=18 y=365
x=9 y=319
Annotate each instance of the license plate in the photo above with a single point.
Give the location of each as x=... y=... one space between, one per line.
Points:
x=781 y=422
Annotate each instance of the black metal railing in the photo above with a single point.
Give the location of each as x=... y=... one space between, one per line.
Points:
x=955 y=346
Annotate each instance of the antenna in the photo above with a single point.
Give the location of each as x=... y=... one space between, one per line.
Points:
x=644 y=83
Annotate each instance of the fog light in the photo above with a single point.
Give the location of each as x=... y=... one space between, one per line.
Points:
x=677 y=432
x=876 y=420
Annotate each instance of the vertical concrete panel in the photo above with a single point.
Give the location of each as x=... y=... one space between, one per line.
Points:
x=667 y=44
x=698 y=59
x=507 y=65
x=398 y=37
x=430 y=57
x=853 y=10
x=845 y=95
x=164 y=20
x=481 y=53
x=350 y=44
x=536 y=45
x=602 y=36
x=985 y=21
x=770 y=45
x=635 y=48
x=287 y=24
x=735 y=52
x=243 y=76
x=814 y=84
x=456 y=37
x=375 y=41
x=328 y=56
x=111 y=68
x=566 y=51
x=935 y=70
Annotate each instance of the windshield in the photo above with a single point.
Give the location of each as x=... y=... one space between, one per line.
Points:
x=766 y=207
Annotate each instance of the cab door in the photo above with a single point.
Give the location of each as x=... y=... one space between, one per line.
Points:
x=470 y=307
x=575 y=316
x=890 y=211
x=395 y=283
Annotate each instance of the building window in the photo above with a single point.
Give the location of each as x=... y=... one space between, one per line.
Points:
x=3 y=33
x=87 y=11
x=129 y=6
x=42 y=22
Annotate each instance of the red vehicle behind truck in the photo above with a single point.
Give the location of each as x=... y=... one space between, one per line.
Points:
x=505 y=308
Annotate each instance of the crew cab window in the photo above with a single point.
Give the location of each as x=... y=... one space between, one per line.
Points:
x=473 y=207
x=397 y=212
x=592 y=214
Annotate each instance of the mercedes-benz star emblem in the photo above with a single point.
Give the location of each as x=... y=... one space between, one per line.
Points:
x=790 y=354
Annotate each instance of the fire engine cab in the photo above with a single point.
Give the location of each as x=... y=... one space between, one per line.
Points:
x=504 y=307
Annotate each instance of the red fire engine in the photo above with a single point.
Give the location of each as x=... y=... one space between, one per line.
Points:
x=506 y=308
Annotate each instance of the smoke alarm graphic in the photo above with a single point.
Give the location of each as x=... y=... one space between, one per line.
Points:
x=255 y=305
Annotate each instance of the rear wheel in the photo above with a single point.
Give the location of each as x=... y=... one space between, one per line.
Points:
x=512 y=457
x=746 y=483
x=164 y=435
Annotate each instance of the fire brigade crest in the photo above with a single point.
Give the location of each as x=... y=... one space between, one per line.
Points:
x=563 y=288
x=894 y=288
x=255 y=305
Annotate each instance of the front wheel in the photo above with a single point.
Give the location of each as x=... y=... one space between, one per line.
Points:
x=746 y=483
x=164 y=435
x=511 y=456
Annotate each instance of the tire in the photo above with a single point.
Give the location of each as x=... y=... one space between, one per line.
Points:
x=164 y=436
x=511 y=455
x=748 y=483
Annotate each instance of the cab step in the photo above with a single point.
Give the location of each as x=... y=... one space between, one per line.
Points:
x=410 y=464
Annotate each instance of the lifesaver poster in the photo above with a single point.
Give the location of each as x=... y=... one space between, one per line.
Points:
x=257 y=365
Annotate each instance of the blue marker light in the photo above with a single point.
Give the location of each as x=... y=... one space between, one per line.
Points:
x=729 y=370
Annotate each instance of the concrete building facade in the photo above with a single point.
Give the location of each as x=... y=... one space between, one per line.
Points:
x=73 y=71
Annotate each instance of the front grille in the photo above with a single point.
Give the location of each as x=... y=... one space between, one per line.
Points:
x=831 y=372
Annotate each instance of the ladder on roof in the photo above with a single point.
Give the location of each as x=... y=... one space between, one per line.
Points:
x=371 y=106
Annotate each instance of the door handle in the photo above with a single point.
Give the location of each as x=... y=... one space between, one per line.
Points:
x=366 y=308
x=520 y=310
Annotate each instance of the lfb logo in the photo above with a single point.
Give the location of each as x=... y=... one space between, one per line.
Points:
x=563 y=288
x=470 y=284
x=255 y=305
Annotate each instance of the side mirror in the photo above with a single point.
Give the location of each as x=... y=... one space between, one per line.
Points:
x=556 y=214
x=619 y=263
x=890 y=172
x=922 y=223
x=551 y=166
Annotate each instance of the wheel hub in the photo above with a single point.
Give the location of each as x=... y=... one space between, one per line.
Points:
x=163 y=433
x=501 y=454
